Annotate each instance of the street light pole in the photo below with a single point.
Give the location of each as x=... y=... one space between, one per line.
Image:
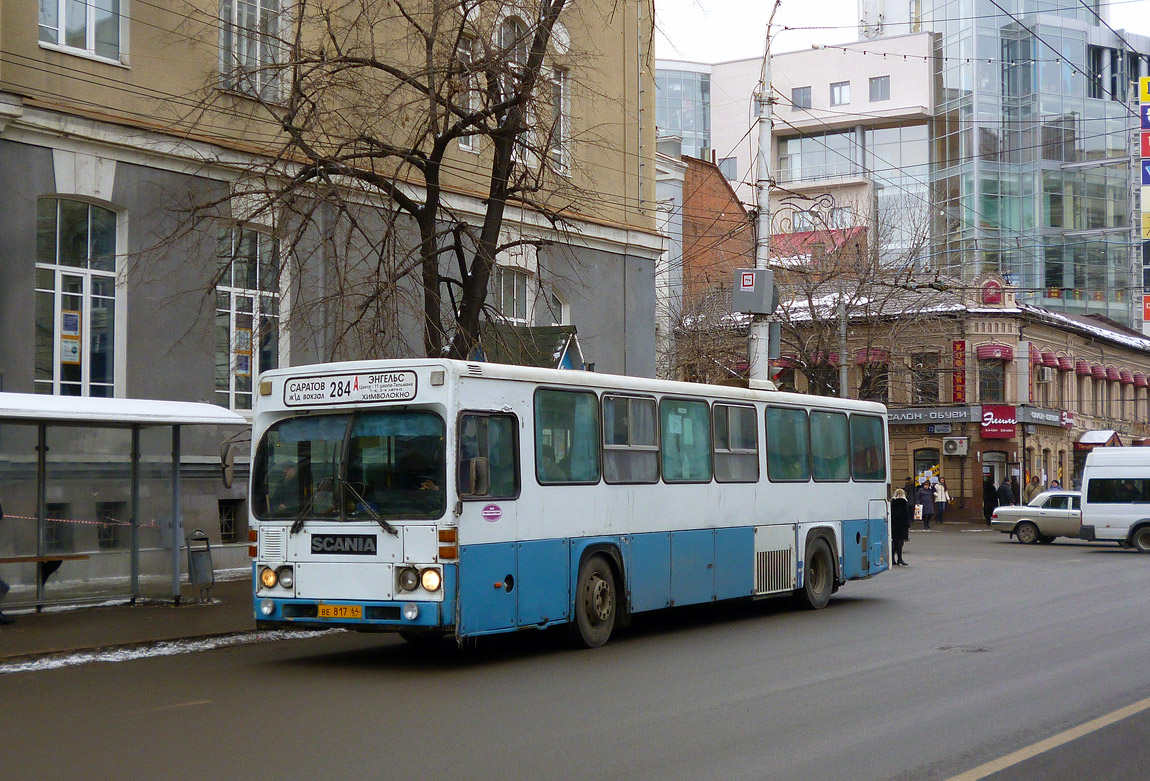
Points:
x=759 y=336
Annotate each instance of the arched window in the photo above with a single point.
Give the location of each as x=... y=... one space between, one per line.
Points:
x=513 y=39
x=925 y=460
x=75 y=298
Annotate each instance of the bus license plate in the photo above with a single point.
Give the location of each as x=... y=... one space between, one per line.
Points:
x=341 y=611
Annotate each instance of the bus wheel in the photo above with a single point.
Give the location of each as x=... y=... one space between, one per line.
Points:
x=818 y=576
x=1027 y=533
x=1141 y=540
x=595 y=603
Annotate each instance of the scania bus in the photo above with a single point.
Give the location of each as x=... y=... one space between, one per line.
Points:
x=444 y=498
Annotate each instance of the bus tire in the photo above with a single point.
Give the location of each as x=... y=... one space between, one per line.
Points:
x=596 y=603
x=1141 y=539
x=818 y=575
x=1027 y=533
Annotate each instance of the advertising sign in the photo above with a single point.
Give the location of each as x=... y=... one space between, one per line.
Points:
x=998 y=421
x=377 y=386
x=958 y=362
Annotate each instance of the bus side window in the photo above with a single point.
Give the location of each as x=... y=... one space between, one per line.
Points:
x=788 y=445
x=567 y=436
x=868 y=455
x=488 y=448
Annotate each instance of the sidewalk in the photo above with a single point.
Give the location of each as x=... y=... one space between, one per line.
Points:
x=60 y=630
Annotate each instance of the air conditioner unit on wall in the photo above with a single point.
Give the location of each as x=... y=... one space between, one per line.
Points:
x=1044 y=374
x=955 y=446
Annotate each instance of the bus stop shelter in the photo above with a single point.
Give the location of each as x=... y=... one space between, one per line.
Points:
x=90 y=486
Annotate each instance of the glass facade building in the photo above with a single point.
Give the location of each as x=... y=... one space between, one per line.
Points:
x=1031 y=151
x=683 y=108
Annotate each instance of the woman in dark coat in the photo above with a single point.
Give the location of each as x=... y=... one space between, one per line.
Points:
x=899 y=525
x=989 y=498
x=925 y=496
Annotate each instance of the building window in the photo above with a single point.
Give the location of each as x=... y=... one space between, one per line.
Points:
x=916 y=16
x=75 y=298
x=560 y=130
x=91 y=27
x=991 y=380
x=800 y=97
x=879 y=88
x=924 y=378
x=229 y=510
x=840 y=93
x=874 y=384
x=513 y=40
x=247 y=313
x=511 y=293
x=729 y=168
x=468 y=92
x=251 y=42
x=926 y=462
x=59 y=530
x=113 y=530
x=823 y=379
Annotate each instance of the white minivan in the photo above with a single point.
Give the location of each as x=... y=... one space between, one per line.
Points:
x=1116 y=496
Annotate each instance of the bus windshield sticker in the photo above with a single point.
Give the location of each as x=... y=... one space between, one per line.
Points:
x=362 y=387
x=492 y=513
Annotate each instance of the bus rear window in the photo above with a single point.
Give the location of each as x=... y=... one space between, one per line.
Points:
x=868 y=456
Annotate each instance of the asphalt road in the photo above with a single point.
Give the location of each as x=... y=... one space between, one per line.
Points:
x=979 y=648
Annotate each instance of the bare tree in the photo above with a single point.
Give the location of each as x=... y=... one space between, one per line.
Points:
x=361 y=107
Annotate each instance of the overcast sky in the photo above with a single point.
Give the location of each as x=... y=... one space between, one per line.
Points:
x=721 y=30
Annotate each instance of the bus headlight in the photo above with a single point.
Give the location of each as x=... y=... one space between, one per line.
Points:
x=268 y=577
x=286 y=576
x=409 y=579
x=430 y=579
x=411 y=611
x=267 y=607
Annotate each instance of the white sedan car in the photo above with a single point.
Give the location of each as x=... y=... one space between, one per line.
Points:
x=1050 y=514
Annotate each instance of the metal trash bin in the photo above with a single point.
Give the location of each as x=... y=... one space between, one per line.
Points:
x=201 y=574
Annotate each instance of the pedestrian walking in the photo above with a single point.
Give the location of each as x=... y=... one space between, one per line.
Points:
x=989 y=498
x=908 y=488
x=1033 y=489
x=941 y=499
x=924 y=496
x=1015 y=490
x=899 y=525
x=1005 y=493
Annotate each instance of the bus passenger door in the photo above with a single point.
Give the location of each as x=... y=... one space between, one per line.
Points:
x=879 y=535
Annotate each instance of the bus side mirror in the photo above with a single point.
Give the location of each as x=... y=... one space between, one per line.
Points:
x=228 y=464
x=480 y=472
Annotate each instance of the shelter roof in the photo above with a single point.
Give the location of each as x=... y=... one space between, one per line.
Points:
x=112 y=413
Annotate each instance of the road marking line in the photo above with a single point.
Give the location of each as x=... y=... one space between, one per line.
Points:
x=1042 y=746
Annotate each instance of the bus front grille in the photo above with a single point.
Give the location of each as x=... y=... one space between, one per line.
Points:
x=773 y=571
x=273 y=544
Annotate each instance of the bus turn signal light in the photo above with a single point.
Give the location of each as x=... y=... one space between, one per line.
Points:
x=448 y=552
x=253 y=535
x=447 y=535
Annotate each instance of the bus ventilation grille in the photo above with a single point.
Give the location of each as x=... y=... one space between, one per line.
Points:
x=474 y=370
x=273 y=544
x=773 y=571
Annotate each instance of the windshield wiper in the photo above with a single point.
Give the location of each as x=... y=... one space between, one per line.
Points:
x=324 y=484
x=387 y=527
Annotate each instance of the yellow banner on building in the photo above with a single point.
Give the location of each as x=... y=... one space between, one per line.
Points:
x=1144 y=89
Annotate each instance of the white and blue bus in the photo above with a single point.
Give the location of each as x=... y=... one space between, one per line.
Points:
x=435 y=497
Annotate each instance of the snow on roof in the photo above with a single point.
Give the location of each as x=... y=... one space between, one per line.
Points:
x=1100 y=437
x=110 y=413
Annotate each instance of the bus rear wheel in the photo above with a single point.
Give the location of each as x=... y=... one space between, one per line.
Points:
x=596 y=603
x=1141 y=540
x=818 y=576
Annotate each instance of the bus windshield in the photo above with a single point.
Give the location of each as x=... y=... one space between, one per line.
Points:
x=389 y=464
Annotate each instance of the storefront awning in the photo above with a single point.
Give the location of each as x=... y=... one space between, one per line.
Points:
x=1065 y=363
x=1049 y=359
x=1126 y=376
x=1140 y=380
x=786 y=361
x=1112 y=373
x=1082 y=368
x=1098 y=371
x=995 y=352
x=1100 y=438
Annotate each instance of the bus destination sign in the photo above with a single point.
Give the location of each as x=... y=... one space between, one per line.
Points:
x=358 y=388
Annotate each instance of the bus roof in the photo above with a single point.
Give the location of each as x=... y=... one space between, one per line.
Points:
x=578 y=378
x=112 y=413
x=1119 y=456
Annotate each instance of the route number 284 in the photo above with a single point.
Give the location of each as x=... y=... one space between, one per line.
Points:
x=340 y=389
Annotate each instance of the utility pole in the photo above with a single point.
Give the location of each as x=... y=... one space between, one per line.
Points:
x=758 y=339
